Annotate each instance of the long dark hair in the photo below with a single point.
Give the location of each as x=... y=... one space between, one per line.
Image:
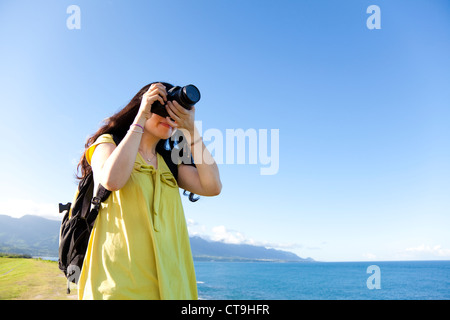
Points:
x=118 y=125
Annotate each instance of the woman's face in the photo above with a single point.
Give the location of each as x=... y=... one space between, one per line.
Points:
x=158 y=126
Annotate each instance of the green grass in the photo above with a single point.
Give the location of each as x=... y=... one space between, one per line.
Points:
x=32 y=279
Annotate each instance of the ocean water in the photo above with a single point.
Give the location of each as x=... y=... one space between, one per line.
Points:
x=397 y=280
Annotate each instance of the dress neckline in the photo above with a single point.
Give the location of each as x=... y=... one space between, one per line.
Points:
x=150 y=164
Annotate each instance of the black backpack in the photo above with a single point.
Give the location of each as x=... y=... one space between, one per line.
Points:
x=76 y=227
x=77 y=223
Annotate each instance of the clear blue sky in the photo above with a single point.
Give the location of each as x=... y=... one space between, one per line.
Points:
x=363 y=115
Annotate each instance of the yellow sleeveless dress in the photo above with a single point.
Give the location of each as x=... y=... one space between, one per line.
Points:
x=139 y=247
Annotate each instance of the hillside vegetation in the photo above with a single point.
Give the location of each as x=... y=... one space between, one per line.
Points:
x=39 y=237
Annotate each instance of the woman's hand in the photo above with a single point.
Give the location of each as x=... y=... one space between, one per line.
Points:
x=204 y=178
x=184 y=119
x=157 y=91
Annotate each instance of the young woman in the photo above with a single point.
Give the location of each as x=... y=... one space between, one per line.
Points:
x=139 y=246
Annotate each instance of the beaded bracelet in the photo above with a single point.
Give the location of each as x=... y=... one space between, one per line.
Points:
x=136 y=131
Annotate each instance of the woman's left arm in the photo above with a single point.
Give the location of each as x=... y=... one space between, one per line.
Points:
x=204 y=178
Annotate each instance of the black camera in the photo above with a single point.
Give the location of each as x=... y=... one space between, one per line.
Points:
x=186 y=96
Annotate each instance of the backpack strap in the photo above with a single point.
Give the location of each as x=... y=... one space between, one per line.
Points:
x=91 y=206
x=101 y=196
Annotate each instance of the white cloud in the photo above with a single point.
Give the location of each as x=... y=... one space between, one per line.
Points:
x=369 y=256
x=20 y=207
x=194 y=228
x=220 y=233
x=223 y=234
x=429 y=251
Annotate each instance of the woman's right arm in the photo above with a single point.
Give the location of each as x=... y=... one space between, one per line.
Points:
x=112 y=166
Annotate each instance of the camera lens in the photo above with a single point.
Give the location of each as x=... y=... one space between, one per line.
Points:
x=192 y=94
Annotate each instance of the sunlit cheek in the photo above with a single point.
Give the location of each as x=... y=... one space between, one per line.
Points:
x=151 y=123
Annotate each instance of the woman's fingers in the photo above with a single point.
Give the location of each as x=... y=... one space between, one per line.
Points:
x=153 y=98
x=158 y=91
x=171 y=112
x=156 y=85
x=184 y=118
x=179 y=108
x=172 y=123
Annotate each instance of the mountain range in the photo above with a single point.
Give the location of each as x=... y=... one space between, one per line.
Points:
x=38 y=236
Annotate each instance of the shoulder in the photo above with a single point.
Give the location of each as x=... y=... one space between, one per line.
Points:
x=104 y=138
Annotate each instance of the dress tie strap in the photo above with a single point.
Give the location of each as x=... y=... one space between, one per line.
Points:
x=158 y=176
